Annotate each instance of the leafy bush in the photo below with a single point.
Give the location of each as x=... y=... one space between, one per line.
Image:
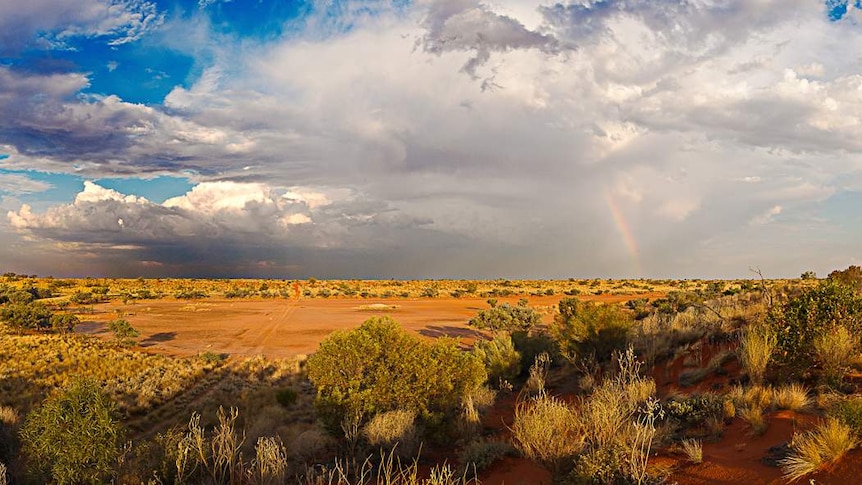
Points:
x=85 y=298
x=501 y=359
x=851 y=277
x=64 y=322
x=479 y=455
x=123 y=331
x=379 y=367
x=506 y=317
x=26 y=315
x=849 y=412
x=586 y=328
x=815 y=312
x=695 y=410
x=74 y=437
x=531 y=344
x=286 y=397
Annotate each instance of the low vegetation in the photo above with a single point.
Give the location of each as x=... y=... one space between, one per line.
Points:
x=593 y=390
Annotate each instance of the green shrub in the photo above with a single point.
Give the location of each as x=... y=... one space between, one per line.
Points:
x=850 y=277
x=849 y=412
x=33 y=315
x=85 y=298
x=589 y=329
x=507 y=318
x=286 y=397
x=694 y=410
x=479 y=455
x=190 y=295
x=531 y=344
x=379 y=367
x=815 y=312
x=601 y=466
x=501 y=359
x=64 y=322
x=74 y=437
x=123 y=331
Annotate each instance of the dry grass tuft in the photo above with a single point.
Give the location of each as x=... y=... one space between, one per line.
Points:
x=756 y=347
x=693 y=449
x=810 y=451
x=793 y=397
x=547 y=429
x=755 y=418
x=393 y=428
x=836 y=350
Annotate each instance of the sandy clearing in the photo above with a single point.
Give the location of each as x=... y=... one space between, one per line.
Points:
x=283 y=328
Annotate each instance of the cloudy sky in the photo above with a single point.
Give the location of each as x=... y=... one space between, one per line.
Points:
x=430 y=138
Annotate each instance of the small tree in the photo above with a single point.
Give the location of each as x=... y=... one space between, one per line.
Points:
x=74 y=437
x=123 y=331
x=64 y=322
x=586 y=328
x=26 y=315
x=852 y=277
x=506 y=318
x=379 y=367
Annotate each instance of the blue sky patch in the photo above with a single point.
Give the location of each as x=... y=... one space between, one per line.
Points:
x=156 y=190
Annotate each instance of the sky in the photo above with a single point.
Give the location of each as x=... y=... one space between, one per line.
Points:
x=430 y=138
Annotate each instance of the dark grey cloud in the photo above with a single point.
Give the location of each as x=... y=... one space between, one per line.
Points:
x=466 y=25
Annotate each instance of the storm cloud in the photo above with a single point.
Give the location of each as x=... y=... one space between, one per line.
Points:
x=459 y=139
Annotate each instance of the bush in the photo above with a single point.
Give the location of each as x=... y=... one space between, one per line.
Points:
x=479 y=455
x=26 y=315
x=531 y=344
x=507 y=318
x=286 y=397
x=501 y=359
x=123 y=331
x=587 y=329
x=379 y=367
x=815 y=312
x=850 y=277
x=849 y=412
x=85 y=298
x=74 y=437
x=64 y=322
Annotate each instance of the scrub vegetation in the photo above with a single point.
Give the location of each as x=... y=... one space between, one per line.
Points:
x=587 y=391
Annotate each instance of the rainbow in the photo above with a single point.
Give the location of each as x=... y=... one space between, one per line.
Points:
x=625 y=232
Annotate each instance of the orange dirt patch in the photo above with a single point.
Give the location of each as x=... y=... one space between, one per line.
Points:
x=283 y=328
x=738 y=456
